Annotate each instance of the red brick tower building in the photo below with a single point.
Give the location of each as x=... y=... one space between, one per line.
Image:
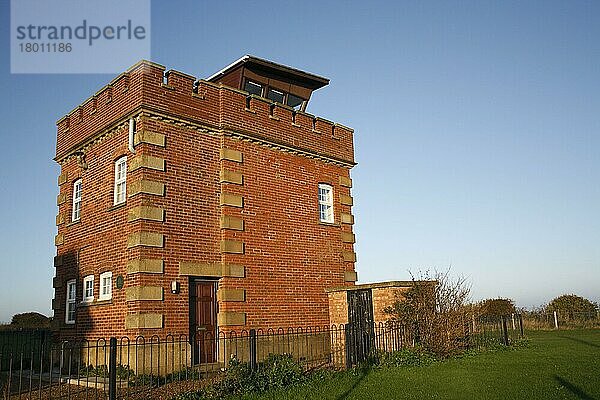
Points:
x=201 y=205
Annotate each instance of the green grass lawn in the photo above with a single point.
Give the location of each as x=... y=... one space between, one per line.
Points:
x=555 y=365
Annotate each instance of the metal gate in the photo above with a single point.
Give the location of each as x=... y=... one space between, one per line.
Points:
x=360 y=336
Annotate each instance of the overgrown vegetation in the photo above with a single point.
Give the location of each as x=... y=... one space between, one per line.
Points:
x=434 y=308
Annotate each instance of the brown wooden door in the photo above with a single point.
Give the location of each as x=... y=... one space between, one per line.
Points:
x=203 y=320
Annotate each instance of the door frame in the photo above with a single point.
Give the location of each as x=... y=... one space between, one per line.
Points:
x=192 y=281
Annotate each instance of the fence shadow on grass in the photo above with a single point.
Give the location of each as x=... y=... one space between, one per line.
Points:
x=573 y=389
x=363 y=374
x=580 y=341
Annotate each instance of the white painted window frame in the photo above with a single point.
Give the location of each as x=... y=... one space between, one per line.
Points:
x=120 y=189
x=88 y=297
x=71 y=300
x=102 y=295
x=326 y=204
x=77 y=190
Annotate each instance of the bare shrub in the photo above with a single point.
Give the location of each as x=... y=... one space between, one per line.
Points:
x=434 y=308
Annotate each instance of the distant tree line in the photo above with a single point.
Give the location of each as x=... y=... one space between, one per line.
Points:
x=28 y=320
x=569 y=306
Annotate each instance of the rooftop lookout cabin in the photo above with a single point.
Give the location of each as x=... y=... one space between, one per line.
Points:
x=276 y=82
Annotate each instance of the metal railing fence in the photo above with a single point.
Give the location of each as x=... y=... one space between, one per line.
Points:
x=132 y=368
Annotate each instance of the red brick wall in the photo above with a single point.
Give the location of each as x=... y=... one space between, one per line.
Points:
x=338 y=307
x=290 y=257
x=97 y=243
x=385 y=297
x=191 y=224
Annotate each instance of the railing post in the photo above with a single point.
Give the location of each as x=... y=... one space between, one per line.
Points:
x=253 y=361
x=521 y=324
x=555 y=320
x=349 y=345
x=504 y=331
x=112 y=369
x=512 y=316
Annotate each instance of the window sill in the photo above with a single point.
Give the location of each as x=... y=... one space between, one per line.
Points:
x=85 y=303
x=99 y=302
x=73 y=223
x=334 y=224
x=117 y=206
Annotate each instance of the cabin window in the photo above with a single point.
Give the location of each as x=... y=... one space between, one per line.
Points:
x=276 y=96
x=253 y=88
x=294 y=101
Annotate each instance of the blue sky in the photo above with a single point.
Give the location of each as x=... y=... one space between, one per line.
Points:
x=477 y=133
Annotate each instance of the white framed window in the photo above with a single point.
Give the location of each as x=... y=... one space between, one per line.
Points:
x=120 y=180
x=88 y=288
x=76 y=214
x=105 y=286
x=70 y=303
x=325 y=203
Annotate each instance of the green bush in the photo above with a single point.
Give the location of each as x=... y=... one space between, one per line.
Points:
x=277 y=371
x=412 y=357
x=280 y=371
x=571 y=306
x=101 y=371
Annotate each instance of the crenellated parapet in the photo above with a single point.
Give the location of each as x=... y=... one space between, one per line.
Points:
x=147 y=87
